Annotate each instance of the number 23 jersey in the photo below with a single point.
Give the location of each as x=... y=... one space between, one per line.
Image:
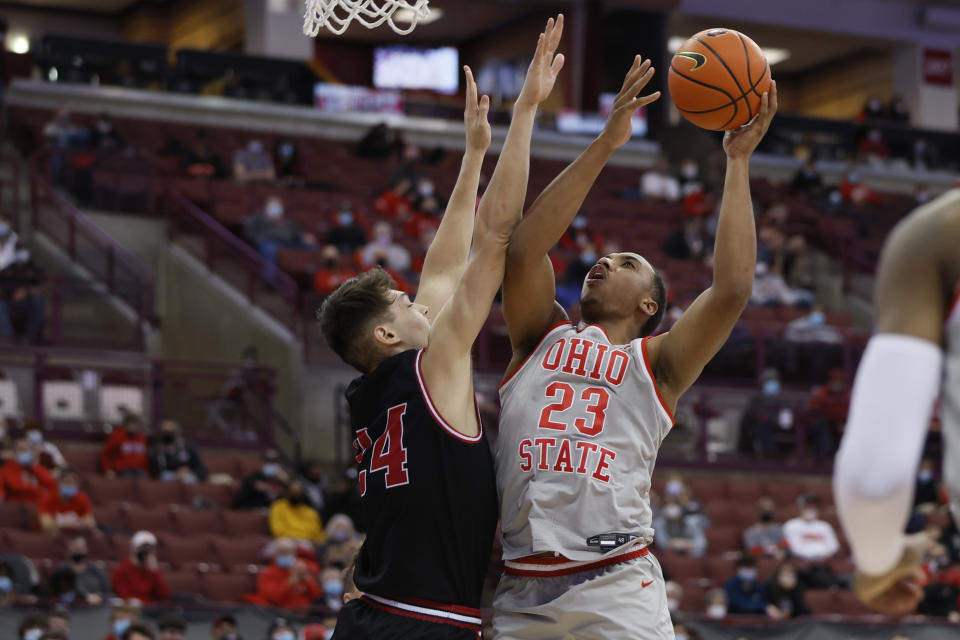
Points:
x=428 y=493
x=581 y=421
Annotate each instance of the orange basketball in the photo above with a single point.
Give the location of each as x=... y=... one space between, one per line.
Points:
x=717 y=77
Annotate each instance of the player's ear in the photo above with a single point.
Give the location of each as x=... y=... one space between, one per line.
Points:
x=648 y=305
x=385 y=335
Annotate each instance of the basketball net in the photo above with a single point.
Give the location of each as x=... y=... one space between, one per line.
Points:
x=336 y=15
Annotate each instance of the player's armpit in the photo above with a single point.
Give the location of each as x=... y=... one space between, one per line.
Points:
x=529 y=305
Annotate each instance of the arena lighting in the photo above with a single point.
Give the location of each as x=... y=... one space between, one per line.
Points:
x=406 y=16
x=773 y=54
x=19 y=43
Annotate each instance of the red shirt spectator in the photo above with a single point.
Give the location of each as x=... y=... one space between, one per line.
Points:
x=832 y=400
x=23 y=480
x=579 y=235
x=138 y=577
x=126 y=450
x=288 y=583
x=67 y=508
x=333 y=273
x=392 y=201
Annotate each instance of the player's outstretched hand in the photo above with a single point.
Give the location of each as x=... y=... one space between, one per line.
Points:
x=475 y=116
x=900 y=590
x=740 y=143
x=619 y=125
x=545 y=66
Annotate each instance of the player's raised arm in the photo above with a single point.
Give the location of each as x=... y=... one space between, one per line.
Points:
x=447 y=256
x=446 y=360
x=893 y=397
x=678 y=356
x=529 y=285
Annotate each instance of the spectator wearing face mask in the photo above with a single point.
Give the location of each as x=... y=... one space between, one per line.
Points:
x=22 y=479
x=125 y=452
x=89 y=582
x=382 y=251
x=286 y=159
x=813 y=327
x=138 y=577
x=347 y=235
x=289 y=582
x=259 y=489
x=813 y=542
x=579 y=235
x=689 y=176
x=331 y=581
x=171 y=629
x=45 y=452
x=745 y=595
x=343 y=542
x=313 y=483
x=174 y=459
x=690 y=242
x=202 y=161
x=830 y=402
x=765 y=536
x=22 y=306
x=121 y=619
x=224 y=627
x=32 y=627
x=674 y=596
x=677 y=531
x=807 y=180
x=715 y=604
x=253 y=163
x=68 y=508
x=332 y=272
x=926 y=494
x=8 y=243
x=768 y=414
x=270 y=230
x=658 y=183
x=280 y=629
x=856 y=192
x=8 y=594
x=292 y=516
x=786 y=594
x=872 y=110
x=872 y=148
x=104 y=136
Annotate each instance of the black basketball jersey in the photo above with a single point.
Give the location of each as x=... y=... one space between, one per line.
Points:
x=429 y=497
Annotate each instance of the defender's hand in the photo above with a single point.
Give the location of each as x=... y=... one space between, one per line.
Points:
x=545 y=66
x=475 y=116
x=900 y=590
x=740 y=143
x=619 y=125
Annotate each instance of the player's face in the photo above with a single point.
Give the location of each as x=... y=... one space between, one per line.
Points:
x=410 y=321
x=616 y=285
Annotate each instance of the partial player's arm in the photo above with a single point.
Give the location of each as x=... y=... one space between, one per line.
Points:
x=678 y=356
x=446 y=258
x=446 y=362
x=891 y=404
x=529 y=286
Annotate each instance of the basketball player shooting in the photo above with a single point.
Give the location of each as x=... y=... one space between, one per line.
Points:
x=900 y=375
x=585 y=408
x=427 y=485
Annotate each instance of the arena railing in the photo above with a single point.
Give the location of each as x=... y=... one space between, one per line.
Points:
x=226 y=404
x=124 y=275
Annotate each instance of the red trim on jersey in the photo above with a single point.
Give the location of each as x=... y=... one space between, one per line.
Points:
x=436 y=414
x=419 y=616
x=589 y=566
x=534 y=350
x=653 y=380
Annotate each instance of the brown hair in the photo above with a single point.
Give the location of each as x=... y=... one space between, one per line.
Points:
x=348 y=314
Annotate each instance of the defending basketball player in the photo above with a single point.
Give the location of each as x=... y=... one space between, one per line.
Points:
x=426 y=471
x=900 y=375
x=585 y=408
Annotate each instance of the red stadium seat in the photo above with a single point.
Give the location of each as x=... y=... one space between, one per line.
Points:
x=33 y=544
x=197 y=521
x=103 y=490
x=766 y=567
x=246 y=523
x=249 y=464
x=723 y=513
x=745 y=491
x=784 y=493
x=822 y=601
x=184 y=583
x=13 y=516
x=724 y=539
x=186 y=551
x=720 y=569
x=683 y=569
x=157 y=519
x=240 y=549
x=693 y=598
x=221 y=463
x=228 y=587
x=154 y=493
x=112 y=515
x=216 y=494
x=82 y=459
x=705 y=490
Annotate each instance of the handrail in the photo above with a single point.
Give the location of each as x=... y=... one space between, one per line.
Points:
x=257 y=267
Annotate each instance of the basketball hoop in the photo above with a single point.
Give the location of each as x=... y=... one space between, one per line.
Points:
x=336 y=15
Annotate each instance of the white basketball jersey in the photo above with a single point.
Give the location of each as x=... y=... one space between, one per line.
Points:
x=581 y=421
x=950 y=399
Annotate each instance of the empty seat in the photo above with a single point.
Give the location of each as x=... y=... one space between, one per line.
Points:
x=216 y=494
x=722 y=513
x=693 y=598
x=766 y=567
x=822 y=601
x=183 y=583
x=246 y=523
x=32 y=544
x=249 y=465
x=103 y=490
x=83 y=459
x=683 y=569
x=238 y=549
x=198 y=521
x=221 y=463
x=156 y=519
x=720 y=568
x=705 y=490
x=153 y=492
x=112 y=515
x=723 y=539
x=228 y=587
x=186 y=551
x=745 y=491
x=13 y=516
x=785 y=492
